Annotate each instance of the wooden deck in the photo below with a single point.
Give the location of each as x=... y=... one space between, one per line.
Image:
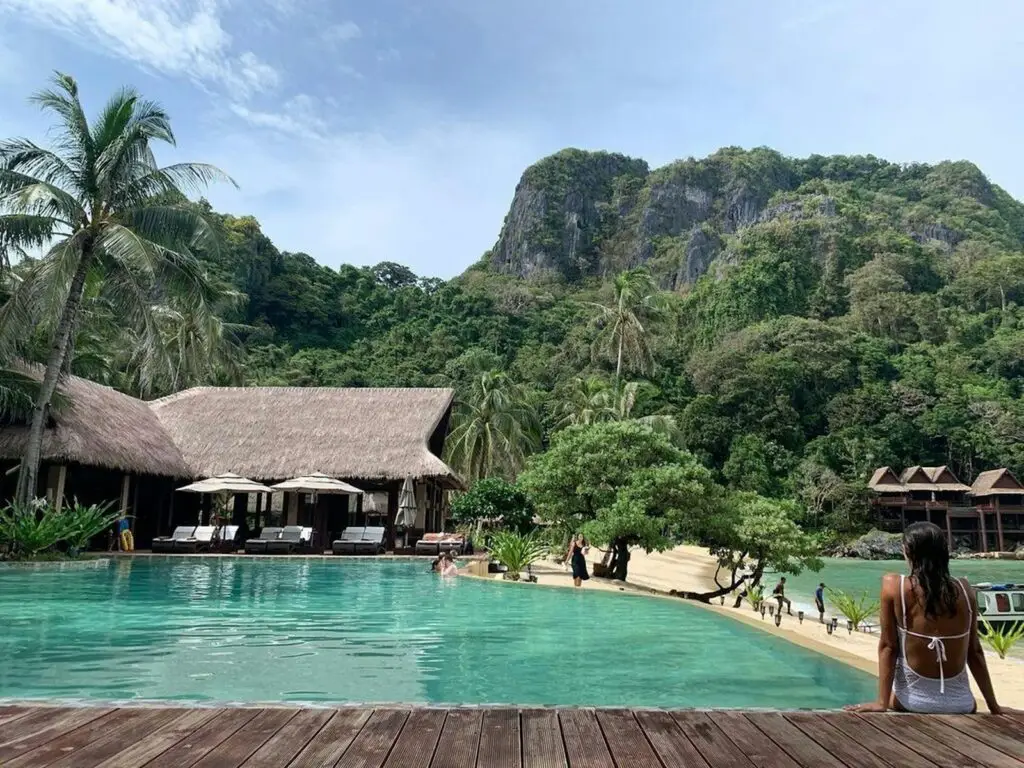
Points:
x=33 y=737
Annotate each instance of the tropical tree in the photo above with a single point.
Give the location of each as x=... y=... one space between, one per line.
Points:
x=623 y=324
x=495 y=427
x=98 y=202
x=586 y=401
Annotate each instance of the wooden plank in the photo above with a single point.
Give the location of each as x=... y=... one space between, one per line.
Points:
x=75 y=752
x=584 y=742
x=196 y=745
x=36 y=720
x=143 y=750
x=460 y=739
x=798 y=744
x=500 y=740
x=760 y=749
x=993 y=731
x=542 y=739
x=711 y=741
x=70 y=741
x=878 y=743
x=626 y=740
x=961 y=742
x=240 y=746
x=370 y=748
x=13 y=713
x=290 y=740
x=668 y=740
x=47 y=728
x=903 y=730
x=418 y=739
x=327 y=747
x=836 y=742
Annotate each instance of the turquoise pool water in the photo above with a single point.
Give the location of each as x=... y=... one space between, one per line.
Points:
x=245 y=630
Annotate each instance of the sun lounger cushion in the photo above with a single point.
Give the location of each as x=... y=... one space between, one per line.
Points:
x=166 y=543
x=268 y=534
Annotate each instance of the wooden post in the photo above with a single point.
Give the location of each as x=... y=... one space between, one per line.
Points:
x=62 y=475
x=259 y=510
x=125 y=486
x=392 y=513
x=999 y=525
x=949 y=531
x=984 y=535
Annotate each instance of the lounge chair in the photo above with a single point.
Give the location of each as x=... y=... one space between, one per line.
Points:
x=228 y=539
x=430 y=544
x=371 y=542
x=201 y=539
x=454 y=543
x=346 y=543
x=166 y=543
x=290 y=540
x=258 y=545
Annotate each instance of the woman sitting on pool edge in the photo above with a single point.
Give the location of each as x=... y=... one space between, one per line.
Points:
x=929 y=635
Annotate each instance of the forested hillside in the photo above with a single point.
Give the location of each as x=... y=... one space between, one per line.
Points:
x=809 y=319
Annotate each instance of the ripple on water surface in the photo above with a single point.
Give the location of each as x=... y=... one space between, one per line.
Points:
x=237 y=630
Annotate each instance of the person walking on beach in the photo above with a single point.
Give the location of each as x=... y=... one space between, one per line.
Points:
x=929 y=635
x=819 y=602
x=577 y=559
x=780 y=594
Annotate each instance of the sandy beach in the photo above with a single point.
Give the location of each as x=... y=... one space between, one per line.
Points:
x=692 y=569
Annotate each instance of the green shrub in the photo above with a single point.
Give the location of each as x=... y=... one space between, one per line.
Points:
x=516 y=551
x=1003 y=639
x=756 y=596
x=28 y=529
x=494 y=500
x=855 y=609
x=82 y=522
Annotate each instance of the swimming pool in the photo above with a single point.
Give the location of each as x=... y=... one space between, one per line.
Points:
x=262 y=630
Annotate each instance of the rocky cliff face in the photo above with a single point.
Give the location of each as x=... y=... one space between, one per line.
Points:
x=581 y=214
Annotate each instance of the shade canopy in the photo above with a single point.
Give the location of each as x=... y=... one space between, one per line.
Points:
x=228 y=482
x=317 y=482
x=406 y=505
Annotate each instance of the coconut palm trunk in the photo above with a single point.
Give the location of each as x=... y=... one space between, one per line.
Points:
x=28 y=477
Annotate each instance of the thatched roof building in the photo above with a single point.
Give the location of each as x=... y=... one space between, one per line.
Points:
x=884 y=480
x=996 y=482
x=99 y=426
x=271 y=433
x=264 y=433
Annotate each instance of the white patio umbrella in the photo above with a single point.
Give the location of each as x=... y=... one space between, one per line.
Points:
x=317 y=482
x=225 y=483
x=406 y=505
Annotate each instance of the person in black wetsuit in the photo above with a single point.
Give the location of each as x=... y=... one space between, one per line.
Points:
x=575 y=555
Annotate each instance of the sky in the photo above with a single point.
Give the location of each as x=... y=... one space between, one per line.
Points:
x=361 y=131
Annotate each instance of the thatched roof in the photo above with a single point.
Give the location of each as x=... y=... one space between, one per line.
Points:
x=996 y=482
x=99 y=426
x=273 y=433
x=916 y=479
x=884 y=480
x=943 y=479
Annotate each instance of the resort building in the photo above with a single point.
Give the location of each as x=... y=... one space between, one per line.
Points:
x=986 y=516
x=102 y=445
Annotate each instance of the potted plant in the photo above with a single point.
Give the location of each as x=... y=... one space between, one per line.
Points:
x=516 y=552
x=855 y=609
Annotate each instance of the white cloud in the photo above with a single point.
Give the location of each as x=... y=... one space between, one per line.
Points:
x=299 y=116
x=433 y=200
x=175 y=37
x=342 y=33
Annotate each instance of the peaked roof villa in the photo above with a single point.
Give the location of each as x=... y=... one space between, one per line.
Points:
x=986 y=515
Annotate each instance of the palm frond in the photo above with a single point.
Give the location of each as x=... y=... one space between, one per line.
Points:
x=24 y=156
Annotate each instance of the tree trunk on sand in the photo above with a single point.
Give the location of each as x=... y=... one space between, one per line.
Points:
x=28 y=477
x=620 y=559
x=706 y=597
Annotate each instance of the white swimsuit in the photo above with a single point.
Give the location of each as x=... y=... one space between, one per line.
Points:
x=930 y=695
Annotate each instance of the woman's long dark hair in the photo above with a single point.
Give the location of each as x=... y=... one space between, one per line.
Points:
x=928 y=553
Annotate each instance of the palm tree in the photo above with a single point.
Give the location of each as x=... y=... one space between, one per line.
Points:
x=659 y=422
x=623 y=335
x=588 y=401
x=495 y=428
x=99 y=204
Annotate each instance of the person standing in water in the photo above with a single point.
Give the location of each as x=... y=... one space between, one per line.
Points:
x=929 y=635
x=577 y=559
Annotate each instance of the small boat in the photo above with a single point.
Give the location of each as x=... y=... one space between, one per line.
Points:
x=1001 y=605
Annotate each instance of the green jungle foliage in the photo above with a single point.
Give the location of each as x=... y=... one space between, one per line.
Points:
x=856 y=313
